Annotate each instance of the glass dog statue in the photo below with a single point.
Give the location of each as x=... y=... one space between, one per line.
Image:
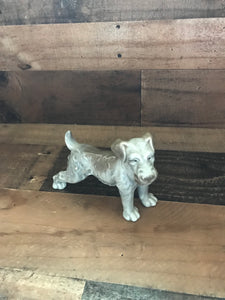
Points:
x=129 y=165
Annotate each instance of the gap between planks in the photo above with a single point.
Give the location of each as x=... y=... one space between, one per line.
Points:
x=165 y=138
x=174 y=246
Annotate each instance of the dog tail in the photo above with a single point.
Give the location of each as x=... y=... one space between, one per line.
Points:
x=71 y=143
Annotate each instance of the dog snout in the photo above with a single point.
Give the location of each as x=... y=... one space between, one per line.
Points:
x=147 y=176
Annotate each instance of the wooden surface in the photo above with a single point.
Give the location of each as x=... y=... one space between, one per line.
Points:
x=55 y=242
x=174 y=246
x=66 y=11
x=108 y=97
x=181 y=44
x=183 y=97
x=56 y=237
x=192 y=98
x=165 y=138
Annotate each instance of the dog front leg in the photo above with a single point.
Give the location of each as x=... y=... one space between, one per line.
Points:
x=130 y=212
x=147 y=199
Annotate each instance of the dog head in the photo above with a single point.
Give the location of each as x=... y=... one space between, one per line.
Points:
x=139 y=156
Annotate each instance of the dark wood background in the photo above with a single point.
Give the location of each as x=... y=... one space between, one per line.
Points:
x=73 y=11
x=158 y=96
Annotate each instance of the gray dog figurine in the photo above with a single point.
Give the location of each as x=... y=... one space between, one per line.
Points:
x=128 y=166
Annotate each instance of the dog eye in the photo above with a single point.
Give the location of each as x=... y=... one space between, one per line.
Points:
x=133 y=161
x=150 y=157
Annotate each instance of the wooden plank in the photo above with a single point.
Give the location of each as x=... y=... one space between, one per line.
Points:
x=102 y=290
x=183 y=176
x=28 y=284
x=167 y=44
x=183 y=98
x=7 y=112
x=32 y=161
x=67 y=11
x=165 y=138
x=108 y=97
x=174 y=246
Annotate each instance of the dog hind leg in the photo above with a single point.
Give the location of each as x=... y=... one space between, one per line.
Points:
x=74 y=173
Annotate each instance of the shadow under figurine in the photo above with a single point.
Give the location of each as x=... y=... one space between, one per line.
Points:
x=128 y=166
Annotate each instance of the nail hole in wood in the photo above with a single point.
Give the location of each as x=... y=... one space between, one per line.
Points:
x=118 y=26
x=119 y=55
x=46 y=152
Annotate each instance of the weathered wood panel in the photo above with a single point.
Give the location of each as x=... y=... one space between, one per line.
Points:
x=165 y=138
x=67 y=11
x=109 y=98
x=183 y=98
x=174 y=246
x=171 y=44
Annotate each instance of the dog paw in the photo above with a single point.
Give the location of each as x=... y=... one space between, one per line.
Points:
x=131 y=215
x=151 y=200
x=58 y=185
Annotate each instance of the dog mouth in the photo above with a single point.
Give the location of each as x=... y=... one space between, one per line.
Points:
x=145 y=181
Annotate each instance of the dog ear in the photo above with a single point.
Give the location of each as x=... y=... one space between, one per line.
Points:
x=119 y=149
x=148 y=138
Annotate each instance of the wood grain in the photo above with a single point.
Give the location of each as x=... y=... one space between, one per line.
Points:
x=167 y=44
x=165 y=138
x=67 y=11
x=174 y=246
x=108 y=97
x=169 y=97
x=183 y=98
